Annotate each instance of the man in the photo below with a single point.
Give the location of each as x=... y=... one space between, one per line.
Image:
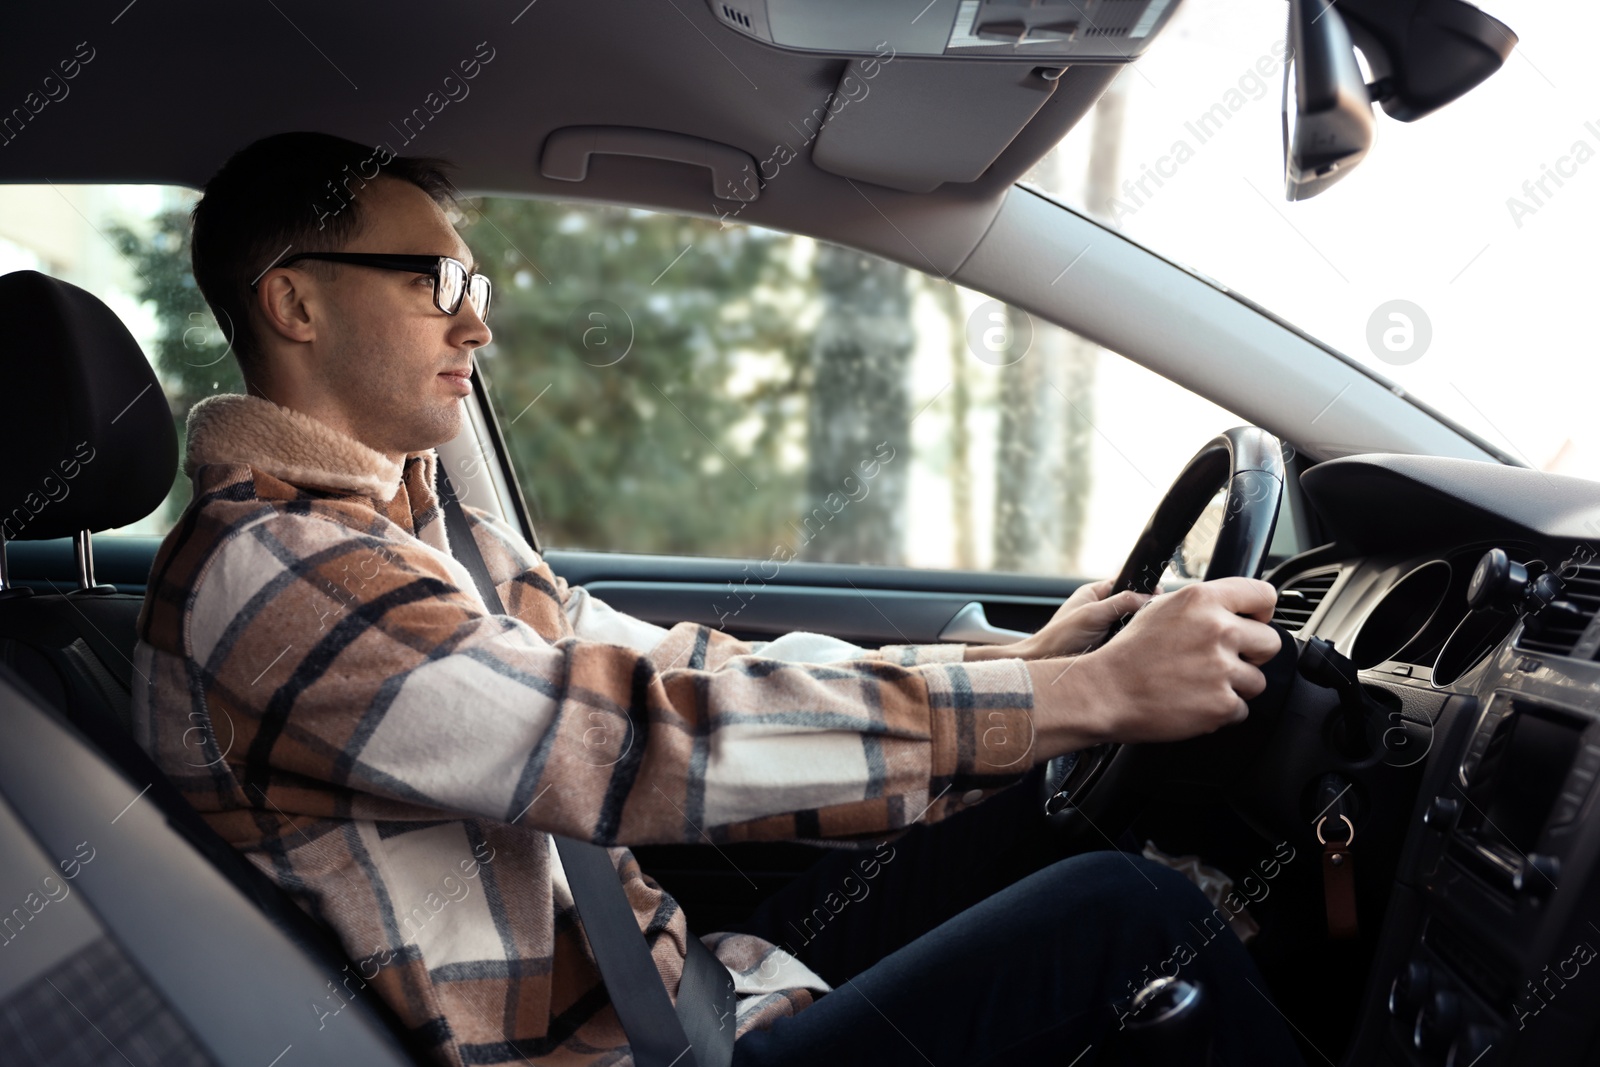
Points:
x=327 y=686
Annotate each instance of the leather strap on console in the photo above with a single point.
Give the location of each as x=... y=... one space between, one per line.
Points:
x=699 y=1032
x=1337 y=834
x=1339 y=887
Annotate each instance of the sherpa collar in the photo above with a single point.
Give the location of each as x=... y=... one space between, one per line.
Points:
x=300 y=449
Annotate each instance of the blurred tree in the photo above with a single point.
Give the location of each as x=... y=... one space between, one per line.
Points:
x=860 y=354
x=1027 y=476
x=948 y=299
x=191 y=353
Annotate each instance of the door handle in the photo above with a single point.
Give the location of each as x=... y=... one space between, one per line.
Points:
x=970 y=626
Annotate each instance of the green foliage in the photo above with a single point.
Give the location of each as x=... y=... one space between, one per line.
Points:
x=671 y=447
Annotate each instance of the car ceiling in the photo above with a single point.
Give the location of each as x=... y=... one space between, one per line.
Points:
x=174 y=87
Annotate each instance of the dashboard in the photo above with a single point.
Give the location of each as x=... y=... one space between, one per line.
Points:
x=1465 y=595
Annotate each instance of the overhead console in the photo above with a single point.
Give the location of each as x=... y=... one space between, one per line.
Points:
x=1084 y=31
x=954 y=82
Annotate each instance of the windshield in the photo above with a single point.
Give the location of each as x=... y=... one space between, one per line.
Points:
x=1455 y=261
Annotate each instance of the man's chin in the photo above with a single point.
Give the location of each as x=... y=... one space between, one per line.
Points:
x=443 y=426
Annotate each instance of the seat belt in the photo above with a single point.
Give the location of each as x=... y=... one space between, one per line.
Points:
x=700 y=1031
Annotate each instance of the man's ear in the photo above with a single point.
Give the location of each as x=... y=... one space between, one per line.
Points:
x=284 y=300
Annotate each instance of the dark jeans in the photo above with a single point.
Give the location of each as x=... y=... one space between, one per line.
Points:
x=972 y=944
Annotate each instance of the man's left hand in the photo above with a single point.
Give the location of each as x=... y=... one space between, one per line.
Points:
x=1077 y=626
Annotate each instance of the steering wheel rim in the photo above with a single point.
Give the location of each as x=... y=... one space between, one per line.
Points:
x=1248 y=462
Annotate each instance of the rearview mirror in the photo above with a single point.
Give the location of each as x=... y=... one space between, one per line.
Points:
x=1327 y=116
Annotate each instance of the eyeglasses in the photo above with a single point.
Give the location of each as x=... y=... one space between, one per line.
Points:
x=451 y=281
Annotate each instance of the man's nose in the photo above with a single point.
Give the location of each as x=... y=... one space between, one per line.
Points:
x=470 y=328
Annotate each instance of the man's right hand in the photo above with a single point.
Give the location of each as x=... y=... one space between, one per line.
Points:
x=1185 y=665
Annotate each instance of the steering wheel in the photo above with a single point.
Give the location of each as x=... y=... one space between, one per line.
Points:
x=1246 y=462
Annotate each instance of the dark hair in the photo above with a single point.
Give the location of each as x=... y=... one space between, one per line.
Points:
x=294 y=191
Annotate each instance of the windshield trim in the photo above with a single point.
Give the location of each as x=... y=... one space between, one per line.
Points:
x=1471 y=436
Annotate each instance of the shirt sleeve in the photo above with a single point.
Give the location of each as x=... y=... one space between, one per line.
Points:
x=412 y=692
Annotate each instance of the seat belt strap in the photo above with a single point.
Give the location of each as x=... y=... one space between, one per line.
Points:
x=700 y=1031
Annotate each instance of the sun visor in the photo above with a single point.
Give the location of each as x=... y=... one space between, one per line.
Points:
x=914 y=124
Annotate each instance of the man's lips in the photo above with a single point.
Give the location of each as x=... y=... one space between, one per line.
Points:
x=465 y=372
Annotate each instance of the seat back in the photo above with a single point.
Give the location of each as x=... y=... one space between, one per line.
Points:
x=179 y=924
x=76 y=651
x=72 y=655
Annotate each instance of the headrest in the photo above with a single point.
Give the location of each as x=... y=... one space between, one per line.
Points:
x=87 y=441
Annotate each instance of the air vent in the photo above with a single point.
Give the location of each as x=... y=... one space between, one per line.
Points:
x=1557 y=633
x=1298 y=599
x=733 y=14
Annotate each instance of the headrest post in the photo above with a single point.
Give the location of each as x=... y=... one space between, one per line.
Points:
x=85 y=558
x=7 y=590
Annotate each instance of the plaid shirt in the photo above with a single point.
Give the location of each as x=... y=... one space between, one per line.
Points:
x=324 y=683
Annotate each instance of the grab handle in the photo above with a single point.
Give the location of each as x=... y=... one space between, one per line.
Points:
x=567 y=152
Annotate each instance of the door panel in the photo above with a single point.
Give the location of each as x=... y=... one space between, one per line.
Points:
x=866 y=605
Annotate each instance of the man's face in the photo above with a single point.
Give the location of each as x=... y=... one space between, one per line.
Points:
x=382 y=351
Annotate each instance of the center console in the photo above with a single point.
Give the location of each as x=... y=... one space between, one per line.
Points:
x=1491 y=949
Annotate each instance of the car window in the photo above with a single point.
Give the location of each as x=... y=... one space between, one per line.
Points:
x=697 y=386
x=128 y=244
x=687 y=386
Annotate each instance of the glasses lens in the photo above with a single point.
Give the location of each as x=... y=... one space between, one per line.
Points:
x=478 y=293
x=450 y=286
